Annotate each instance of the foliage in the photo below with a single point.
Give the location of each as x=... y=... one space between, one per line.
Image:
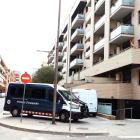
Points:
x=45 y=75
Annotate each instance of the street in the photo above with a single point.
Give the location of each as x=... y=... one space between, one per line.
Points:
x=7 y=134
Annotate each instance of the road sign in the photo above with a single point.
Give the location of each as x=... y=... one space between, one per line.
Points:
x=25 y=78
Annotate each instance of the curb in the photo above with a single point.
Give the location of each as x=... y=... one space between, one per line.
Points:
x=53 y=132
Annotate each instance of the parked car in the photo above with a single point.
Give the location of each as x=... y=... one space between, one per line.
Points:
x=88 y=96
x=2 y=95
x=39 y=101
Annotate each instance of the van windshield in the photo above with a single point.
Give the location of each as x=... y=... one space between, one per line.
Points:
x=67 y=95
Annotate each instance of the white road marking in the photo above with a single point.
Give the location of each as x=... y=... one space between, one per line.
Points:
x=25 y=138
x=40 y=138
x=129 y=137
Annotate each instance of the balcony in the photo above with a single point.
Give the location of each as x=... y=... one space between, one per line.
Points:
x=61 y=44
x=88 y=18
x=77 y=35
x=99 y=45
x=99 y=26
x=87 y=37
x=89 y=3
x=53 y=52
x=60 y=65
x=65 y=36
x=121 y=6
x=61 y=74
x=100 y=8
x=77 y=49
x=64 y=47
x=76 y=63
x=87 y=54
x=51 y=58
x=51 y=64
x=60 y=55
x=64 y=58
x=64 y=70
x=79 y=19
x=121 y=34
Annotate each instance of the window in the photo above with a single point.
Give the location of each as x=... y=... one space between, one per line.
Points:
x=50 y=96
x=38 y=93
x=139 y=16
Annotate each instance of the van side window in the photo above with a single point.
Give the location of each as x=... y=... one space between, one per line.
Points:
x=38 y=93
x=13 y=92
x=50 y=96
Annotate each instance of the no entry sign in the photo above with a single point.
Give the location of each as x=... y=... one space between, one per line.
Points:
x=25 y=78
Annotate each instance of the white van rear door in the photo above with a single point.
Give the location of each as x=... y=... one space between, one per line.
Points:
x=92 y=97
x=83 y=95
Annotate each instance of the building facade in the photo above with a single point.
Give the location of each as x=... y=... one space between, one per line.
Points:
x=94 y=42
x=15 y=76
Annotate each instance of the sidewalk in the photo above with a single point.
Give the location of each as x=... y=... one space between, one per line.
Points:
x=91 y=126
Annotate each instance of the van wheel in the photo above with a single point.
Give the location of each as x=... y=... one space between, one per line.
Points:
x=63 y=117
x=94 y=114
x=15 y=112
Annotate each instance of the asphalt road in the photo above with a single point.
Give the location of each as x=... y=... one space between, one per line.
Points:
x=9 y=134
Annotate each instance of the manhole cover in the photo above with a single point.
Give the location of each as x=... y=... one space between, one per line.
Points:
x=42 y=122
x=83 y=128
x=121 y=124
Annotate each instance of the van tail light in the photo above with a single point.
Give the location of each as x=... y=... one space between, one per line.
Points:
x=97 y=104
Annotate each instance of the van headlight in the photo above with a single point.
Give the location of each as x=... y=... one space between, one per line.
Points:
x=74 y=106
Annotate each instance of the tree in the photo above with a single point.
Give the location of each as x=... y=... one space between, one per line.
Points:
x=45 y=75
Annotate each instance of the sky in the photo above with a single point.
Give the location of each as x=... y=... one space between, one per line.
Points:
x=27 y=26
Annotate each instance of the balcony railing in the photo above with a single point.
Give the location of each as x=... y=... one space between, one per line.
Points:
x=51 y=64
x=88 y=34
x=77 y=31
x=88 y=17
x=60 y=53
x=64 y=70
x=77 y=46
x=51 y=57
x=122 y=29
x=98 y=4
x=99 y=44
x=61 y=44
x=79 y=16
x=64 y=58
x=99 y=22
x=121 y=3
x=76 y=61
x=60 y=64
x=61 y=74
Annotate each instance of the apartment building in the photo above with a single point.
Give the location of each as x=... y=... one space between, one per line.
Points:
x=15 y=76
x=94 y=42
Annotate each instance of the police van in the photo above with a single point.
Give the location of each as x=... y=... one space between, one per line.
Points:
x=39 y=101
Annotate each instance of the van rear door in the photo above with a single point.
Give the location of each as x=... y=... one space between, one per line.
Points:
x=92 y=98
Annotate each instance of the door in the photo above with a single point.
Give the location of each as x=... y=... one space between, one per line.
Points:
x=50 y=101
x=92 y=101
x=35 y=100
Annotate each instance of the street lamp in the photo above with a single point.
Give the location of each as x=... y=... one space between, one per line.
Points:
x=45 y=52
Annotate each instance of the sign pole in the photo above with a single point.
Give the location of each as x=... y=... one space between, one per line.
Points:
x=72 y=81
x=23 y=102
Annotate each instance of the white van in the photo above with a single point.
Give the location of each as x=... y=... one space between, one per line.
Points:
x=88 y=96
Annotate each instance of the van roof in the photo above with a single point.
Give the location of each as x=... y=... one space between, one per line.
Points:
x=51 y=85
